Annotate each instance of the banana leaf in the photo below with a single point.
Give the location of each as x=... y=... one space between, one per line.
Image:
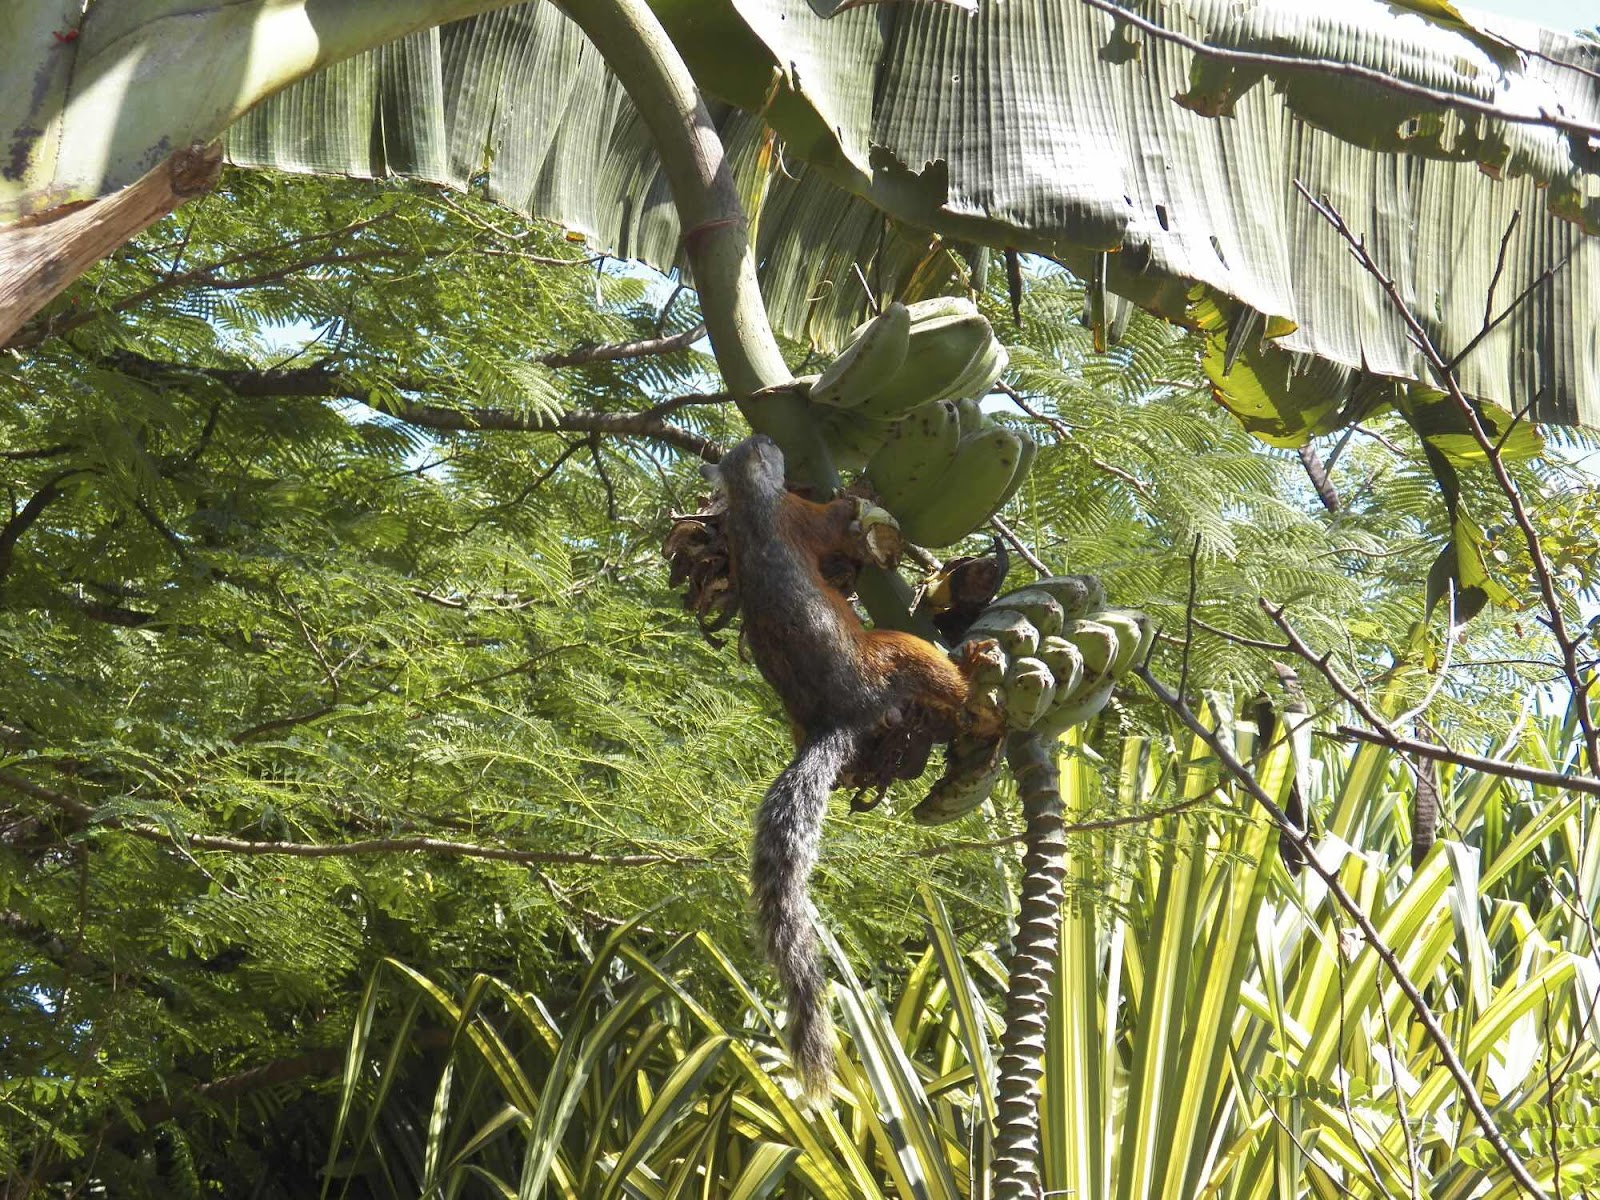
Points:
x=1049 y=126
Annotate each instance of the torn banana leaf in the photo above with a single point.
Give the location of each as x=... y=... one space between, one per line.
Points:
x=1044 y=126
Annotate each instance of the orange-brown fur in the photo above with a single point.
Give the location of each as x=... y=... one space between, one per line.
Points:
x=913 y=670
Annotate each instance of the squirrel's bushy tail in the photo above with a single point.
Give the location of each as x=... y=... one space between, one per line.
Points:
x=788 y=830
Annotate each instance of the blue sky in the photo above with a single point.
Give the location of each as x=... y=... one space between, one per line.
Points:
x=1553 y=14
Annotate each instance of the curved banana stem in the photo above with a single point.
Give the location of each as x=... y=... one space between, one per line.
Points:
x=1032 y=969
x=716 y=240
x=716 y=236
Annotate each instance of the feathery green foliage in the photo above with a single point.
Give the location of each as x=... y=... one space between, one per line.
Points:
x=1216 y=1031
x=306 y=544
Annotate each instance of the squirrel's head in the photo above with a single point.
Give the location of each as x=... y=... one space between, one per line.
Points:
x=752 y=468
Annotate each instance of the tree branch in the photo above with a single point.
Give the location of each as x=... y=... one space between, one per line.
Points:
x=1329 y=876
x=1383 y=734
x=1476 y=762
x=323 y=379
x=38 y=452
x=1446 y=379
x=12 y=531
x=432 y=416
x=620 y=350
x=86 y=814
x=1317 y=473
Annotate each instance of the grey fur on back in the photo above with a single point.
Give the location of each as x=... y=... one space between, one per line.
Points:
x=805 y=648
x=788 y=831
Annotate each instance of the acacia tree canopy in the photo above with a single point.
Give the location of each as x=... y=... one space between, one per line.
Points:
x=310 y=662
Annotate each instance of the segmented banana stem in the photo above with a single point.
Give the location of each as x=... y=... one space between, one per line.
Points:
x=1031 y=970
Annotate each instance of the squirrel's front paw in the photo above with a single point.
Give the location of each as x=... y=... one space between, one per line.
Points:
x=879 y=533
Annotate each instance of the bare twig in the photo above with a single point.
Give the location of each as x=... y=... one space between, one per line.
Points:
x=678 y=289
x=1428 y=697
x=1338 y=448
x=1475 y=762
x=1382 y=439
x=1344 y=1083
x=1535 y=52
x=1188 y=615
x=1317 y=473
x=1026 y=554
x=1069 y=438
x=86 y=814
x=1489 y=327
x=1240 y=639
x=1315 y=1157
x=1443 y=374
x=1382 y=733
x=1550 y=1090
x=643 y=348
x=1374 y=939
x=1097 y=826
x=684 y=401
x=1499 y=270
x=533 y=485
x=1402 y=1106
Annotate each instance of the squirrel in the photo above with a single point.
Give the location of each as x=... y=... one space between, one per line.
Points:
x=842 y=685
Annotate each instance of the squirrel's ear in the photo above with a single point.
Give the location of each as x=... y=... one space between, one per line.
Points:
x=711 y=472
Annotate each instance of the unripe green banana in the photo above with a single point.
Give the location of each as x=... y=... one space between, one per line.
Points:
x=1065 y=663
x=879 y=534
x=922 y=311
x=936 y=307
x=983 y=660
x=972 y=416
x=1080 y=595
x=1039 y=606
x=978 y=377
x=1030 y=451
x=969 y=492
x=1075 y=712
x=852 y=439
x=1096 y=642
x=1015 y=633
x=986 y=706
x=1129 y=627
x=937 y=352
x=867 y=363
x=971 y=771
x=1030 y=688
x=915 y=456
x=984 y=371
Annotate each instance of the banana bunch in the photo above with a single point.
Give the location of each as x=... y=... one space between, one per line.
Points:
x=1061 y=654
x=945 y=468
x=902 y=359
